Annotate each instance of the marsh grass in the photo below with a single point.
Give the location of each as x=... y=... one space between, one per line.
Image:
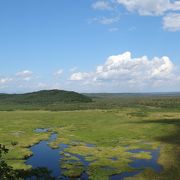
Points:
x=120 y=128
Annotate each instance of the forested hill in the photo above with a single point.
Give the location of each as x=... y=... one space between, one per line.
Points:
x=44 y=97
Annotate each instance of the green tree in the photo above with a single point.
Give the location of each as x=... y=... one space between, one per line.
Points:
x=6 y=172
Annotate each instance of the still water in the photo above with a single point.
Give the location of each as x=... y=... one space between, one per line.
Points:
x=45 y=156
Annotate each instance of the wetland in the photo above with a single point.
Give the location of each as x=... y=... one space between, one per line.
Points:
x=118 y=143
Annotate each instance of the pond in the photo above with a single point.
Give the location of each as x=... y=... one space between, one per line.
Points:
x=47 y=157
x=141 y=164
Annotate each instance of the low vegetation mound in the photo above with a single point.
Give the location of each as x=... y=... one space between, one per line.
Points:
x=44 y=97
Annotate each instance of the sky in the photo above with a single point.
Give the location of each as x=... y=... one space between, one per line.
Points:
x=90 y=45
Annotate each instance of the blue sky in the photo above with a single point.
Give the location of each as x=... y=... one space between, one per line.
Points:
x=62 y=44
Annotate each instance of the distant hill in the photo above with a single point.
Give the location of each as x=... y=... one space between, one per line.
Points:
x=44 y=97
x=58 y=100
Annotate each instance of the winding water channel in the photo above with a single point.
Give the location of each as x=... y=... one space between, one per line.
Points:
x=45 y=156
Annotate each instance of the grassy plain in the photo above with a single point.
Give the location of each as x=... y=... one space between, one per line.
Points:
x=144 y=125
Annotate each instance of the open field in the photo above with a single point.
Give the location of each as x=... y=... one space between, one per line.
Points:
x=113 y=131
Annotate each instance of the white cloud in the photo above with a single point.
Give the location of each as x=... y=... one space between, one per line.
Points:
x=79 y=76
x=25 y=75
x=124 y=72
x=119 y=73
x=171 y=22
x=5 y=80
x=102 y=5
x=59 y=73
x=26 y=81
x=20 y=81
x=107 y=20
x=150 y=7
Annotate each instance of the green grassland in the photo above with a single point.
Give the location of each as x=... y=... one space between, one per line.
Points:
x=112 y=124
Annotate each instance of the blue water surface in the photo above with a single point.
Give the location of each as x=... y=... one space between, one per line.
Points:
x=45 y=156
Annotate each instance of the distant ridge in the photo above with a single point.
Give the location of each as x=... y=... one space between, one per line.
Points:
x=44 y=97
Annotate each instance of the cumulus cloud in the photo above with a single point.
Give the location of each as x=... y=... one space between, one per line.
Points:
x=126 y=72
x=25 y=75
x=171 y=22
x=150 y=7
x=102 y=5
x=19 y=80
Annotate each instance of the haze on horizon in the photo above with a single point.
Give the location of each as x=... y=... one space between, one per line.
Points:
x=90 y=46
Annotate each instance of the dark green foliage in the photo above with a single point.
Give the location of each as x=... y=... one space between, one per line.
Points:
x=42 y=98
x=37 y=173
x=56 y=100
x=6 y=172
